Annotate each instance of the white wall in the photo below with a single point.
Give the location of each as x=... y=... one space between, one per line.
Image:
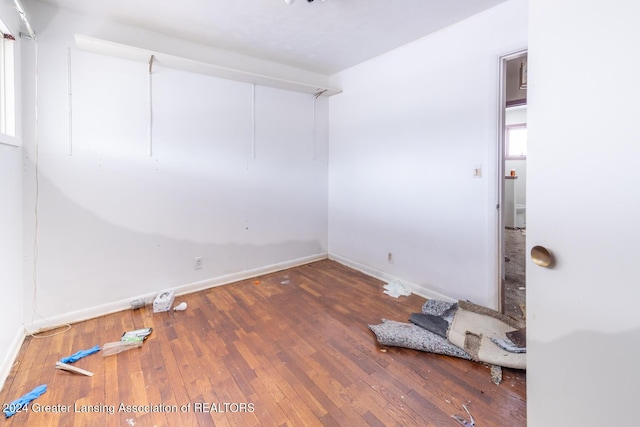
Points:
x=583 y=325
x=115 y=223
x=10 y=255
x=10 y=230
x=406 y=135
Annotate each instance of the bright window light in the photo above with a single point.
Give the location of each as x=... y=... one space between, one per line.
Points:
x=7 y=84
x=516 y=139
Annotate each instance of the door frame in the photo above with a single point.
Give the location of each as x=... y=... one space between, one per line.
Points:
x=500 y=162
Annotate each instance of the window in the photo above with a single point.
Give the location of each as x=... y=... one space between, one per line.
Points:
x=516 y=142
x=7 y=87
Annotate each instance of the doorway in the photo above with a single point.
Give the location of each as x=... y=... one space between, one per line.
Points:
x=512 y=188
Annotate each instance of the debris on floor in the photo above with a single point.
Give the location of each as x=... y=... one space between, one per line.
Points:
x=116 y=347
x=435 y=324
x=398 y=334
x=518 y=337
x=395 y=289
x=285 y=280
x=523 y=308
x=180 y=307
x=496 y=374
x=163 y=301
x=472 y=332
x=464 y=422
x=508 y=345
x=20 y=404
x=64 y=363
x=138 y=335
x=138 y=303
x=80 y=354
x=75 y=370
x=129 y=340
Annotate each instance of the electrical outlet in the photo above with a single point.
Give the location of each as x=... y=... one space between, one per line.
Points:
x=477 y=172
x=390 y=257
x=197 y=263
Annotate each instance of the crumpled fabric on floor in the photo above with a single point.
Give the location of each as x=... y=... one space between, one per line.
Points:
x=18 y=404
x=79 y=355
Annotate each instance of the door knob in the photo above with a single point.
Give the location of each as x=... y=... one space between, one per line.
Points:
x=541 y=256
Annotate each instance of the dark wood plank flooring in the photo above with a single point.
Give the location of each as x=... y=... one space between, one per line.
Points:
x=293 y=349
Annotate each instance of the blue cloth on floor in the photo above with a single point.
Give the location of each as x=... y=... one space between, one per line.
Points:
x=19 y=404
x=79 y=355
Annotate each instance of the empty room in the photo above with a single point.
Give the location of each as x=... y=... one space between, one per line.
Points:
x=233 y=212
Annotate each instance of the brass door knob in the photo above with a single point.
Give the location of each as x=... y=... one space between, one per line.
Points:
x=541 y=256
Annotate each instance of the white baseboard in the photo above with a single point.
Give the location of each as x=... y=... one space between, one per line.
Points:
x=115 y=306
x=235 y=277
x=385 y=277
x=10 y=356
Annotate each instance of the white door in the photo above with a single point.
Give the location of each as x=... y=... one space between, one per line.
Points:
x=583 y=204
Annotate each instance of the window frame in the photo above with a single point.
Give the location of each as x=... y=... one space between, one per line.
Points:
x=8 y=81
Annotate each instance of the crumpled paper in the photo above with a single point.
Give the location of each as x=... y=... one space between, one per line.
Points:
x=395 y=289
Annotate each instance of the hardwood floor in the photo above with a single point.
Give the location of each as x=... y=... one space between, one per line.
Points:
x=293 y=349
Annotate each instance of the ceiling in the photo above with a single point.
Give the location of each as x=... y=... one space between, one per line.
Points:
x=321 y=36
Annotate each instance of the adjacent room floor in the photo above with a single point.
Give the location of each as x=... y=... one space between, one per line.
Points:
x=289 y=348
x=515 y=273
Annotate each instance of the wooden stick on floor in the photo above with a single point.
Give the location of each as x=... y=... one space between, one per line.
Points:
x=65 y=367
